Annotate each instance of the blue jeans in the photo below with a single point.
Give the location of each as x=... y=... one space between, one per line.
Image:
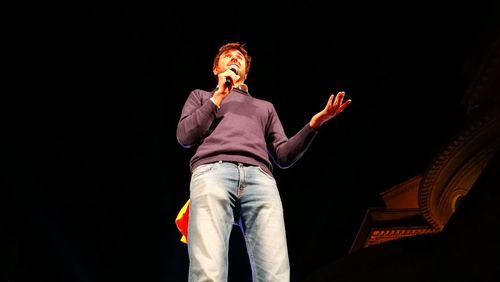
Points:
x=223 y=194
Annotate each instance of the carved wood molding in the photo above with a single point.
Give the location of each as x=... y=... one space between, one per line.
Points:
x=455 y=169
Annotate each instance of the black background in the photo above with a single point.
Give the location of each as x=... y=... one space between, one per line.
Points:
x=94 y=171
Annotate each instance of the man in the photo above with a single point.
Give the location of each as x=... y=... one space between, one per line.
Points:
x=236 y=140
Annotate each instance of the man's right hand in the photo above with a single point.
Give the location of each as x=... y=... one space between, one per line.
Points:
x=224 y=88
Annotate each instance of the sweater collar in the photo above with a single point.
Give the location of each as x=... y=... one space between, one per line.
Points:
x=242 y=88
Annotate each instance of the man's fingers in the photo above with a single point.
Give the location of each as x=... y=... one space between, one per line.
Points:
x=344 y=105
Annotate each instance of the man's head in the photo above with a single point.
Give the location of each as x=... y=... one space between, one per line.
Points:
x=233 y=53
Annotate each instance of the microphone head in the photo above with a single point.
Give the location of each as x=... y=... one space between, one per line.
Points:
x=235 y=69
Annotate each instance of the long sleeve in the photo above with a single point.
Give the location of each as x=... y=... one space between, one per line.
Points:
x=291 y=151
x=286 y=151
x=196 y=118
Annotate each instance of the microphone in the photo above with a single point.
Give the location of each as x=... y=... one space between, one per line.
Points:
x=233 y=68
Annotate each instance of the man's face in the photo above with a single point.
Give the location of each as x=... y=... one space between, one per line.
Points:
x=230 y=58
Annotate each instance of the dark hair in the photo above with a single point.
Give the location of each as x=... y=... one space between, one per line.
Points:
x=234 y=46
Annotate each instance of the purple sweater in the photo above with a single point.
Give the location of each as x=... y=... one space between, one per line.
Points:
x=244 y=129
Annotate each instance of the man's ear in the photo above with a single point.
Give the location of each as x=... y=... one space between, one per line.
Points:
x=214 y=70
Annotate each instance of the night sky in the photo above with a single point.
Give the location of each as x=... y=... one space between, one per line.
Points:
x=96 y=177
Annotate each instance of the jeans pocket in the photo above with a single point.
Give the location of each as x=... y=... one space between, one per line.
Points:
x=201 y=169
x=265 y=172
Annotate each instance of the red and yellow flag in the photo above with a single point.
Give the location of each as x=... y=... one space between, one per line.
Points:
x=182 y=221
